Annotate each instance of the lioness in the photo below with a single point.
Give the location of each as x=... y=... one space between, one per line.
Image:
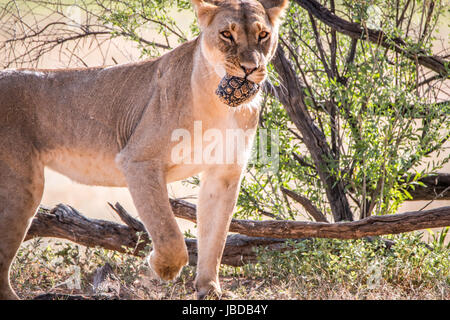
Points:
x=113 y=127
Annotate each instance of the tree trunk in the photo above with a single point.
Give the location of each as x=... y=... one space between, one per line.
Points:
x=313 y=138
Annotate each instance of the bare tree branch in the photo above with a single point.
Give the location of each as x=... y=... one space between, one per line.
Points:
x=26 y=37
x=307 y=204
x=356 y=31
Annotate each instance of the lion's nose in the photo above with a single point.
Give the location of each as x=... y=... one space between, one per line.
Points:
x=249 y=68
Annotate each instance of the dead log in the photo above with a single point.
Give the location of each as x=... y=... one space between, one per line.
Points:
x=67 y=223
x=371 y=226
x=436 y=187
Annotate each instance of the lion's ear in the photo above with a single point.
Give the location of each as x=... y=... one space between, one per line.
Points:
x=274 y=8
x=205 y=12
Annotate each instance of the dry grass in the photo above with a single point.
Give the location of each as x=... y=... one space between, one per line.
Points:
x=314 y=270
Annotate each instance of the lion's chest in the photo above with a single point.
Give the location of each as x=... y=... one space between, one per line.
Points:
x=210 y=143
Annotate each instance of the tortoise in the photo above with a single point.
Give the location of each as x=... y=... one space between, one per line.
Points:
x=234 y=91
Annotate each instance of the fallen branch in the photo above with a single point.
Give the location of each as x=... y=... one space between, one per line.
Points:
x=67 y=223
x=436 y=187
x=371 y=226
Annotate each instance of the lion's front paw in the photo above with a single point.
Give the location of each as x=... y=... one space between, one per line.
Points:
x=167 y=268
x=207 y=290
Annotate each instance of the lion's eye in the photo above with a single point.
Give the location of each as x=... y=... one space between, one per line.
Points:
x=263 y=35
x=227 y=35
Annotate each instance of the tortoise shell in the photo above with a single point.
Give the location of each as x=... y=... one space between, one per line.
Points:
x=234 y=91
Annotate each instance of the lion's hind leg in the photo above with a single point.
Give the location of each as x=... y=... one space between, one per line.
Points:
x=21 y=186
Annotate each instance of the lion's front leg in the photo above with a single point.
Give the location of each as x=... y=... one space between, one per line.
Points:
x=147 y=186
x=219 y=189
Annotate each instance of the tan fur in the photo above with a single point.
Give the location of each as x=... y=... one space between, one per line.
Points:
x=112 y=126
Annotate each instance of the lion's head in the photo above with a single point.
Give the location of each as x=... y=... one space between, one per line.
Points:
x=239 y=37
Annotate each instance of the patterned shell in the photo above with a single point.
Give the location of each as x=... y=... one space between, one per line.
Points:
x=234 y=91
